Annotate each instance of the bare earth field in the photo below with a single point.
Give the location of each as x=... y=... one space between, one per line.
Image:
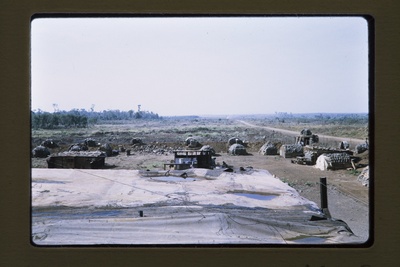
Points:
x=348 y=199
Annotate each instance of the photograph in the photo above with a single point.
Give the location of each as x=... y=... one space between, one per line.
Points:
x=201 y=131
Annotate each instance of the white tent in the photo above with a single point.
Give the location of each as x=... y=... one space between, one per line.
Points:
x=323 y=162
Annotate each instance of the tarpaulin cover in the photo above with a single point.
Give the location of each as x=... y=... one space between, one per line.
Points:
x=87 y=207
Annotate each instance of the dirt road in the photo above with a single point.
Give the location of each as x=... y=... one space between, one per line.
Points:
x=293 y=133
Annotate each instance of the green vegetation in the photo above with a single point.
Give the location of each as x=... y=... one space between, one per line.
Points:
x=334 y=124
x=289 y=182
x=82 y=118
x=46 y=120
x=309 y=183
x=354 y=172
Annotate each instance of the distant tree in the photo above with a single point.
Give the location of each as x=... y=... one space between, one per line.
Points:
x=81 y=118
x=138 y=115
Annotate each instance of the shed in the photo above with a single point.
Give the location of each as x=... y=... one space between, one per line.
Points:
x=185 y=159
x=77 y=160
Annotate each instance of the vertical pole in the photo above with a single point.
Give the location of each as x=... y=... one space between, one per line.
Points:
x=323 y=192
x=324 y=196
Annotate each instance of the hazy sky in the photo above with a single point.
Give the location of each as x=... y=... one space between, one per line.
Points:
x=185 y=66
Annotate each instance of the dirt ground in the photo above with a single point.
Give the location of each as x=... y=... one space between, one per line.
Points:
x=348 y=199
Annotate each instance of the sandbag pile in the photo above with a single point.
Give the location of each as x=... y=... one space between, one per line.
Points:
x=333 y=161
x=291 y=151
x=268 y=149
x=237 y=149
x=364 y=177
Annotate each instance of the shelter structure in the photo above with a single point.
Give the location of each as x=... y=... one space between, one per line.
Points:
x=186 y=159
x=235 y=140
x=268 y=149
x=49 y=143
x=291 y=150
x=237 y=149
x=318 y=150
x=361 y=148
x=208 y=148
x=192 y=142
x=309 y=158
x=333 y=161
x=77 y=160
x=40 y=152
x=306 y=137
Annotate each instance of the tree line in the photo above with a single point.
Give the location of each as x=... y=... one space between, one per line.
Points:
x=81 y=118
x=323 y=118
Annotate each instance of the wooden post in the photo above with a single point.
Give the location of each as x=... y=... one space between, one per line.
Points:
x=324 y=196
x=352 y=164
x=323 y=192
